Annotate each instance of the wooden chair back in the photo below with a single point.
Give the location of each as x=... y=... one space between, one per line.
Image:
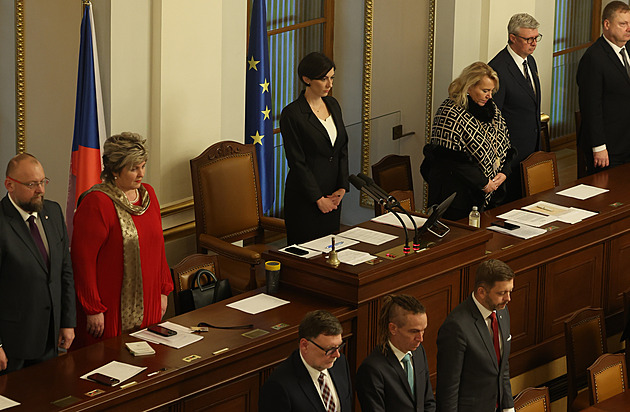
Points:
x=393 y=172
x=539 y=172
x=532 y=400
x=607 y=377
x=183 y=272
x=405 y=197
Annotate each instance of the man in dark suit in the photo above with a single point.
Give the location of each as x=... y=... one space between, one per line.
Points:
x=518 y=96
x=37 y=301
x=604 y=93
x=473 y=373
x=395 y=377
x=316 y=376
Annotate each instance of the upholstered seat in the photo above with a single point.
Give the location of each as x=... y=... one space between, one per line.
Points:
x=532 y=400
x=539 y=172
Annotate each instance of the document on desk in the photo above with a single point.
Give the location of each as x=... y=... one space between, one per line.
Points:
x=527 y=218
x=184 y=336
x=6 y=403
x=582 y=191
x=118 y=370
x=390 y=219
x=323 y=243
x=354 y=257
x=546 y=208
x=524 y=231
x=367 y=236
x=258 y=303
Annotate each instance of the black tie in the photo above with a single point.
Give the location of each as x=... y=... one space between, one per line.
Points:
x=625 y=60
x=526 y=71
x=37 y=237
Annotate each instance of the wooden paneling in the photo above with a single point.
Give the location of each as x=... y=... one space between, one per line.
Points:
x=523 y=313
x=240 y=395
x=619 y=273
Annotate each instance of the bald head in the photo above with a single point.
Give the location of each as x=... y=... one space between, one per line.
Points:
x=14 y=163
x=24 y=170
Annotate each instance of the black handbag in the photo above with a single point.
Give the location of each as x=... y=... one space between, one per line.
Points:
x=200 y=295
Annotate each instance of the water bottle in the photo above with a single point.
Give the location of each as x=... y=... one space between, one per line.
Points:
x=474 y=218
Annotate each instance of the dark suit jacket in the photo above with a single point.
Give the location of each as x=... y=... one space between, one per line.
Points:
x=316 y=168
x=382 y=383
x=290 y=387
x=468 y=377
x=604 y=94
x=29 y=292
x=521 y=109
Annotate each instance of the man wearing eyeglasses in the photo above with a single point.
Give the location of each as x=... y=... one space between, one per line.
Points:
x=518 y=96
x=316 y=377
x=395 y=376
x=603 y=79
x=37 y=301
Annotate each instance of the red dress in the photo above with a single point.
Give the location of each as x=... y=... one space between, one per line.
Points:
x=97 y=261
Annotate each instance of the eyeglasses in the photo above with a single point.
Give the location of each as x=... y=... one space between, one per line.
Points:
x=32 y=185
x=330 y=351
x=530 y=40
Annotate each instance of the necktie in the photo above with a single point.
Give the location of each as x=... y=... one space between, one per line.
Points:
x=37 y=237
x=329 y=404
x=495 y=336
x=625 y=60
x=406 y=360
x=526 y=71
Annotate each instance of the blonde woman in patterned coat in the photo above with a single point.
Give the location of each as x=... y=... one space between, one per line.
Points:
x=469 y=152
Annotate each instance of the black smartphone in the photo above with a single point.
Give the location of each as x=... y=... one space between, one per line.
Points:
x=103 y=379
x=161 y=330
x=505 y=225
x=296 y=251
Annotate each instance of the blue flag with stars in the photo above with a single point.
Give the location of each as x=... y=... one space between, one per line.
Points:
x=258 y=119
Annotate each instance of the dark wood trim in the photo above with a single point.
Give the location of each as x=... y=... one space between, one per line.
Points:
x=297 y=26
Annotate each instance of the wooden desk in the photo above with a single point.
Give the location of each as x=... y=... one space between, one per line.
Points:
x=226 y=382
x=618 y=403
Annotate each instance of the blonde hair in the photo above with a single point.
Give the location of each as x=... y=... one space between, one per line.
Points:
x=469 y=77
x=122 y=150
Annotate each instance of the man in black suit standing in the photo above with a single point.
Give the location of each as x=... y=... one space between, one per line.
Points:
x=37 y=301
x=316 y=376
x=395 y=376
x=473 y=372
x=518 y=96
x=603 y=80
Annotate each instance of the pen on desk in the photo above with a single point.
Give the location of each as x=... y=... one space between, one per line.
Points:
x=544 y=208
x=126 y=385
x=220 y=351
x=153 y=373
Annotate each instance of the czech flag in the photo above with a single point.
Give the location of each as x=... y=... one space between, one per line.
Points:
x=89 y=120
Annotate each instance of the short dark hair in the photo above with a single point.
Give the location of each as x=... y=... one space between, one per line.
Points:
x=314 y=65
x=319 y=322
x=613 y=8
x=492 y=271
x=394 y=309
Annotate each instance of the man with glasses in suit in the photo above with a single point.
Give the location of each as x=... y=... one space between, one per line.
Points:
x=316 y=376
x=518 y=96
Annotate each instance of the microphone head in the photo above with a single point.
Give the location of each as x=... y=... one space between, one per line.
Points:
x=367 y=179
x=356 y=182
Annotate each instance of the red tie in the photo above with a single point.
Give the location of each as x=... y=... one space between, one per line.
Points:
x=495 y=336
x=329 y=404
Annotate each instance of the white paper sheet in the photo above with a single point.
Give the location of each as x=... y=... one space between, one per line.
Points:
x=367 y=236
x=184 y=336
x=323 y=245
x=524 y=231
x=258 y=303
x=582 y=191
x=575 y=215
x=118 y=370
x=354 y=257
x=310 y=253
x=6 y=403
x=527 y=218
x=390 y=219
x=546 y=208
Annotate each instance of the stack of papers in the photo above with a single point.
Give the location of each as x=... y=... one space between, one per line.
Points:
x=367 y=236
x=564 y=214
x=323 y=244
x=258 y=303
x=140 y=348
x=582 y=192
x=118 y=370
x=184 y=336
x=524 y=231
x=354 y=257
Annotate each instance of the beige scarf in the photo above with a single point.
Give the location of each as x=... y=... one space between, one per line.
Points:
x=131 y=296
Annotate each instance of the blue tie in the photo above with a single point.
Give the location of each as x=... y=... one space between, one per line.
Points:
x=406 y=360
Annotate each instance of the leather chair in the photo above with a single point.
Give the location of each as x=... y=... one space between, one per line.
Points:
x=585 y=339
x=393 y=172
x=183 y=272
x=228 y=209
x=607 y=377
x=539 y=172
x=404 y=197
x=533 y=400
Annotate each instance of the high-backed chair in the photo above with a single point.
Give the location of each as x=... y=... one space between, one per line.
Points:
x=393 y=172
x=626 y=323
x=607 y=377
x=228 y=209
x=183 y=273
x=532 y=400
x=404 y=197
x=539 y=172
x=585 y=339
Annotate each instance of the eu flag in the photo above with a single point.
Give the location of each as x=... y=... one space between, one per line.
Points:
x=258 y=118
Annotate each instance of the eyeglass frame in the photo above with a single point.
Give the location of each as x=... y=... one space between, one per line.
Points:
x=31 y=185
x=530 y=40
x=330 y=351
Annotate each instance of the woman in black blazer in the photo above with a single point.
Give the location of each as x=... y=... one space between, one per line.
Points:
x=316 y=147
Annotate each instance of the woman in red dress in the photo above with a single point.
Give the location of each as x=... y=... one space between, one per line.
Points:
x=121 y=276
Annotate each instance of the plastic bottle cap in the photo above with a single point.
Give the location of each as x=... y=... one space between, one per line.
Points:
x=475 y=208
x=272 y=265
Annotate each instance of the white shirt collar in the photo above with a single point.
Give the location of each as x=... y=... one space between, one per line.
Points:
x=314 y=373
x=484 y=311
x=397 y=352
x=25 y=215
x=517 y=59
x=616 y=48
